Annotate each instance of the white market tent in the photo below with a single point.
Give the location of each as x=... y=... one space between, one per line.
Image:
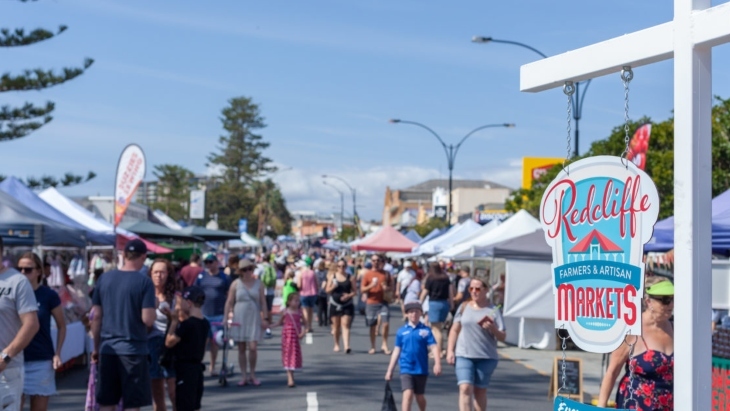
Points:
x=519 y=224
x=455 y=235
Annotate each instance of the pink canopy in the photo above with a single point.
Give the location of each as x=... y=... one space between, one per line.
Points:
x=387 y=239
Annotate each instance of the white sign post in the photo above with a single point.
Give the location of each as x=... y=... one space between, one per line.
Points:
x=697 y=27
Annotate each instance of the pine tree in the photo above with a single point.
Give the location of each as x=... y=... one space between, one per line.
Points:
x=18 y=122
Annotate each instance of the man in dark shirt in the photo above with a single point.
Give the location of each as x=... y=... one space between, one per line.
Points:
x=188 y=343
x=123 y=310
x=215 y=285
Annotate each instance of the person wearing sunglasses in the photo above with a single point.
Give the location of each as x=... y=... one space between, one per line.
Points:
x=342 y=295
x=215 y=284
x=41 y=358
x=472 y=346
x=377 y=313
x=653 y=358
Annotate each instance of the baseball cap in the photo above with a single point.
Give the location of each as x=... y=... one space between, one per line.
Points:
x=368 y=265
x=245 y=263
x=210 y=257
x=194 y=294
x=408 y=264
x=661 y=288
x=413 y=306
x=135 y=246
x=308 y=260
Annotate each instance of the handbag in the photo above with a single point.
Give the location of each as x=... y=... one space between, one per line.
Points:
x=388 y=400
x=389 y=294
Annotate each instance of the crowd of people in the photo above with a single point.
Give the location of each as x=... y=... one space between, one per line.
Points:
x=151 y=325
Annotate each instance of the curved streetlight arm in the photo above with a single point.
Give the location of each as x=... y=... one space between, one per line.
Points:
x=477 y=39
x=335 y=188
x=456 y=149
x=338 y=178
x=446 y=148
x=578 y=102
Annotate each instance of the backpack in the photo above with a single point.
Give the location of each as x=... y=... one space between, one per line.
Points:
x=269 y=276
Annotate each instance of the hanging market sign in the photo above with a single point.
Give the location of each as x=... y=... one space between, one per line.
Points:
x=597 y=215
x=130 y=173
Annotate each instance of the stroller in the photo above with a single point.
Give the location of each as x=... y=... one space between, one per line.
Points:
x=226 y=342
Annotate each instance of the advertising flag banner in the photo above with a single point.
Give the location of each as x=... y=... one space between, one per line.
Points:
x=597 y=215
x=197 y=204
x=639 y=145
x=242 y=225
x=130 y=172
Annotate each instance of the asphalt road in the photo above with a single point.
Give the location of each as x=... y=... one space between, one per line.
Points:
x=336 y=381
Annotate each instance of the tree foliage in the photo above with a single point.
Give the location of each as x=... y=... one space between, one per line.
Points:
x=240 y=192
x=425 y=229
x=18 y=122
x=659 y=162
x=173 y=190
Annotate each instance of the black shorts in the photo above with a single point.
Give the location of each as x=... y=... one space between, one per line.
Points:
x=269 y=302
x=189 y=389
x=340 y=310
x=414 y=382
x=125 y=377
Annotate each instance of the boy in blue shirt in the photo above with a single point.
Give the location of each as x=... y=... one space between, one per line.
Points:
x=412 y=343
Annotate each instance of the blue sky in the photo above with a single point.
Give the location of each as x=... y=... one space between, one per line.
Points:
x=328 y=75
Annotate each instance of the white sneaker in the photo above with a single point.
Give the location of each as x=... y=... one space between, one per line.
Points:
x=268 y=333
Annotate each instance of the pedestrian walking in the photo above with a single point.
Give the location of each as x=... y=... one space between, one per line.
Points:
x=308 y=291
x=187 y=340
x=162 y=372
x=342 y=308
x=123 y=311
x=472 y=346
x=268 y=278
x=292 y=332
x=376 y=283
x=190 y=272
x=323 y=317
x=437 y=287
x=41 y=358
x=412 y=343
x=246 y=306
x=403 y=280
x=289 y=286
x=215 y=284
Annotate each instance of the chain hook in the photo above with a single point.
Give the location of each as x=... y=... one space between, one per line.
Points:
x=630 y=398
x=626 y=76
x=562 y=362
x=569 y=90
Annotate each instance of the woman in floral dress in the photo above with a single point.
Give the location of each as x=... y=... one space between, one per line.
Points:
x=650 y=386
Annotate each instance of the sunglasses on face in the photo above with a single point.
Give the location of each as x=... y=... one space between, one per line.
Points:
x=209 y=261
x=247 y=269
x=26 y=270
x=665 y=300
x=476 y=288
x=341 y=266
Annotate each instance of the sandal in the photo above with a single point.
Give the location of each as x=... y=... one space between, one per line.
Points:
x=386 y=351
x=254 y=382
x=371 y=351
x=242 y=383
x=347 y=351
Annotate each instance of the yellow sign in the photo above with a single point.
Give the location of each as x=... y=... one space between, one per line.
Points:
x=534 y=167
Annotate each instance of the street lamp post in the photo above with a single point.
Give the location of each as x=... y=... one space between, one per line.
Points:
x=450 y=150
x=354 y=200
x=342 y=203
x=577 y=100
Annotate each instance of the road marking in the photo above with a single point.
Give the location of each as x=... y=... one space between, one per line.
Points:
x=308 y=340
x=312 y=403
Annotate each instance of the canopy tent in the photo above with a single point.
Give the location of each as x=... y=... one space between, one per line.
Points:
x=86 y=218
x=413 y=236
x=208 y=234
x=334 y=245
x=147 y=229
x=31 y=200
x=19 y=225
x=365 y=238
x=245 y=240
x=483 y=230
x=519 y=224
x=433 y=234
x=445 y=241
x=386 y=239
x=530 y=246
x=166 y=220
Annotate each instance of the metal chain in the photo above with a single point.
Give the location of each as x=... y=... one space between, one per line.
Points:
x=626 y=76
x=563 y=366
x=568 y=89
x=630 y=386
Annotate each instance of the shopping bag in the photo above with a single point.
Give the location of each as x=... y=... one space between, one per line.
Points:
x=388 y=400
x=91 y=404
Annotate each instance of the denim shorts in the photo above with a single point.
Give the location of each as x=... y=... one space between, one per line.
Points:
x=214 y=328
x=40 y=378
x=309 y=301
x=375 y=311
x=438 y=310
x=155 y=346
x=475 y=371
x=11 y=388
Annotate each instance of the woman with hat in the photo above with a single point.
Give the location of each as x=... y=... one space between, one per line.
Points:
x=246 y=306
x=650 y=386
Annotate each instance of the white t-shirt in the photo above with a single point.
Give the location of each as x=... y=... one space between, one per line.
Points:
x=404 y=277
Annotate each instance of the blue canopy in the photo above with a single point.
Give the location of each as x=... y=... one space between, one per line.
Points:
x=20 y=225
x=433 y=234
x=663 y=238
x=31 y=200
x=413 y=236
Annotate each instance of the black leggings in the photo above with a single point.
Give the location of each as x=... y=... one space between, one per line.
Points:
x=322 y=306
x=189 y=390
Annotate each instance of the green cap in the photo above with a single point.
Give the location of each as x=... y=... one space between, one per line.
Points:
x=308 y=261
x=661 y=288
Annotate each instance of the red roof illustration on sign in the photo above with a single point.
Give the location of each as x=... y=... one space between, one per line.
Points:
x=606 y=245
